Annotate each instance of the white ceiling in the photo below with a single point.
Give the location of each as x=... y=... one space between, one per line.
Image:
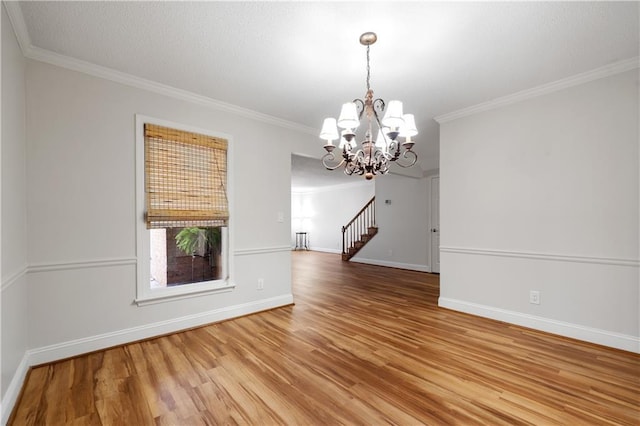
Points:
x=299 y=61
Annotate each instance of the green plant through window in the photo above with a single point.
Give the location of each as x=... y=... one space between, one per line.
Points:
x=199 y=240
x=186 y=255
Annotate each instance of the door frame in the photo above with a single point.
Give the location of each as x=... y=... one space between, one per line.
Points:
x=432 y=225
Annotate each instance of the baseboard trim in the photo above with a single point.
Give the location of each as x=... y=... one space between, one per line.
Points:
x=77 y=347
x=326 y=250
x=13 y=391
x=408 y=266
x=574 y=331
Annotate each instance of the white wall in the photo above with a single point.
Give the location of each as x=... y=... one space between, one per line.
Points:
x=13 y=293
x=543 y=195
x=402 y=239
x=81 y=213
x=323 y=212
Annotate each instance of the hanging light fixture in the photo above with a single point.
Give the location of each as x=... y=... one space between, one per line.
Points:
x=375 y=155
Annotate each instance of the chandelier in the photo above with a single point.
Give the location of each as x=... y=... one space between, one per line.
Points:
x=374 y=155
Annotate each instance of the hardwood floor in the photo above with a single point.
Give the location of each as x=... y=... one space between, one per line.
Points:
x=362 y=345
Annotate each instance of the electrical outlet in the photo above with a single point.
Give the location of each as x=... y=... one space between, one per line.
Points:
x=534 y=297
x=260 y=283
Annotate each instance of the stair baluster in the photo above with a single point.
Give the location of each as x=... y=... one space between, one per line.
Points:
x=359 y=231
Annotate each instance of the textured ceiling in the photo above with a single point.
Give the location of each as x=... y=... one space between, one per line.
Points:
x=299 y=61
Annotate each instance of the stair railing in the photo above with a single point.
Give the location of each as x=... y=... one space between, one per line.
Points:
x=359 y=225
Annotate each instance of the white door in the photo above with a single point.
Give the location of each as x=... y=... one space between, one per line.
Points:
x=434 y=230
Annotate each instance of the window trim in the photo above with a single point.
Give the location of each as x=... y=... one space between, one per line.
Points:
x=145 y=295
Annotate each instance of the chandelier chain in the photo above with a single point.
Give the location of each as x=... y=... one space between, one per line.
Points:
x=368 y=70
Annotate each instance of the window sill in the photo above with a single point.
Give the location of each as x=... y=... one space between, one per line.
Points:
x=163 y=296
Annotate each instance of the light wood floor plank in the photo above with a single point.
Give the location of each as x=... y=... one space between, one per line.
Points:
x=363 y=345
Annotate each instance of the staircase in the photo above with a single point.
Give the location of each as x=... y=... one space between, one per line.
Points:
x=359 y=231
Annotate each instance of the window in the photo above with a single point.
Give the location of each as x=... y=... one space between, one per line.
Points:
x=183 y=211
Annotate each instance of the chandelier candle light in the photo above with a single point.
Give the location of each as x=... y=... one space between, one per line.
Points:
x=375 y=155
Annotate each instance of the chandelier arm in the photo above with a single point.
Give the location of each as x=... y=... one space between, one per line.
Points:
x=406 y=156
x=377 y=164
x=359 y=107
x=375 y=113
x=358 y=157
x=359 y=163
x=383 y=166
x=349 y=168
x=328 y=158
x=378 y=108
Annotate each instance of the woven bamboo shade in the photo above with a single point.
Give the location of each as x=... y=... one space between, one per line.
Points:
x=185 y=178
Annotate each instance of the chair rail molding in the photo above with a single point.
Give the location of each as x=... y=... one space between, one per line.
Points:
x=261 y=250
x=13 y=278
x=81 y=264
x=634 y=263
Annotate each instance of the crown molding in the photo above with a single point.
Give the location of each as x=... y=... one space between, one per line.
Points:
x=578 y=79
x=73 y=64
x=19 y=27
x=42 y=55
